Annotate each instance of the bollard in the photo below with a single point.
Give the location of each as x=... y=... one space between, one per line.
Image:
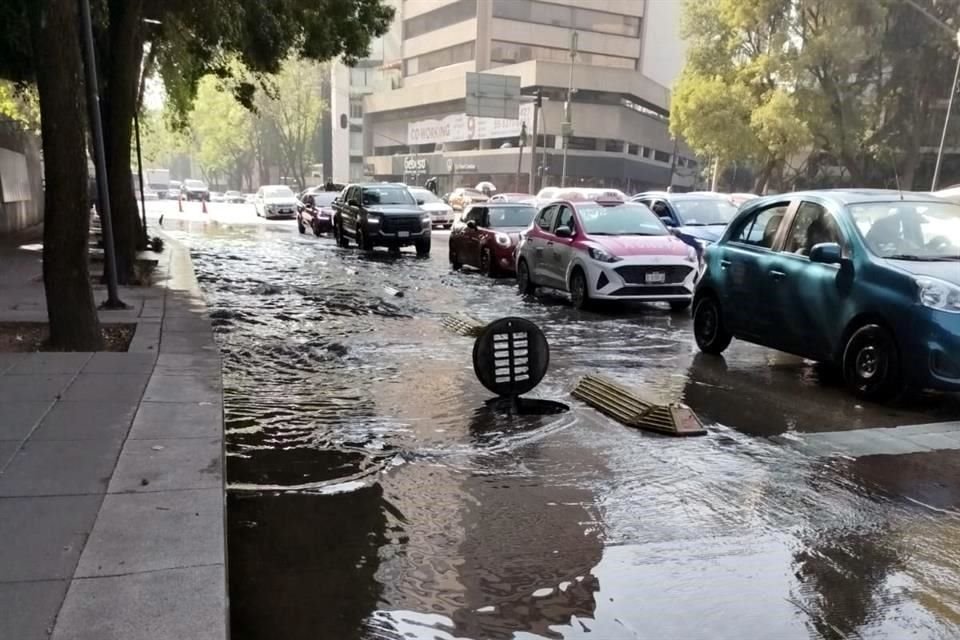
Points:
x=203 y=206
x=180 y=203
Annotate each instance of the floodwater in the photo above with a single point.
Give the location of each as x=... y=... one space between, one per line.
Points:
x=375 y=493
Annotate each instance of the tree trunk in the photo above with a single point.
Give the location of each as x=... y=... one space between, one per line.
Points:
x=118 y=103
x=71 y=310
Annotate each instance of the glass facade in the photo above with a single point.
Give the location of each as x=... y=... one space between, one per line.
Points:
x=440 y=58
x=439 y=18
x=568 y=17
x=511 y=52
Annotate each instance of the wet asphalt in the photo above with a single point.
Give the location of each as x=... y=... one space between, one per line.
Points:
x=376 y=493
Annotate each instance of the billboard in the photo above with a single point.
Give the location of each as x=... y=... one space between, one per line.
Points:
x=460 y=126
x=491 y=95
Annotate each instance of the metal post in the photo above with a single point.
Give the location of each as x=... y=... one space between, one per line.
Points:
x=946 y=123
x=143 y=200
x=96 y=127
x=533 y=147
x=673 y=162
x=567 y=128
x=716 y=174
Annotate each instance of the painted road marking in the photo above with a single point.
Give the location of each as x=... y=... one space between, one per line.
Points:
x=917 y=438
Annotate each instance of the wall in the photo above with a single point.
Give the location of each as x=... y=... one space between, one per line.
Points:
x=29 y=212
x=664 y=51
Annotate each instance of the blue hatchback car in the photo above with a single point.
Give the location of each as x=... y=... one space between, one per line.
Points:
x=865 y=279
x=698 y=218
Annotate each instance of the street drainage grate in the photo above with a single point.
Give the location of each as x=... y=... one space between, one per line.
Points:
x=463 y=324
x=623 y=405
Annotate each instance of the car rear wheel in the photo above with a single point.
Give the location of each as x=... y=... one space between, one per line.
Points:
x=871 y=363
x=302 y=229
x=579 y=294
x=455 y=263
x=708 y=330
x=524 y=279
x=316 y=228
x=423 y=248
x=679 y=305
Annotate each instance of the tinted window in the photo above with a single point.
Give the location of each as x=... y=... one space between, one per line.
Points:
x=565 y=219
x=387 y=194
x=760 y=229
x=628 y=219
x=811 y=226
x=545 y=221
x=511 y=216
x=323 y=198
x=704 y=212
x=917 y=230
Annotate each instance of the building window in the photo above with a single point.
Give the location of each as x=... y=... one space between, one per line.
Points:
x=661 y=156
x=439 y=18
x=356 y=107
x=633 y=149
x=360 y=76
x=647 y=152
x=568 y=17
x=613 y=146
x=356 y=141
x=581 y=143
x=510 y=53
x=440 y=58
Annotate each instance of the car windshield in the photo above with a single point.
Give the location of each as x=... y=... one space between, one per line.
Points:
x=194 y=184
x=910 y=230
x=511 y=216
x=277 y=192
x=424 y=194
x=706 y=211
x=628 y=219
x=324 y=198
x=387 y=195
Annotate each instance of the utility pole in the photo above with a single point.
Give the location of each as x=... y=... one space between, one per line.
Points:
x=533 y=148
x=946 y=122
x=673 y=162
x=143 y=199
x=567 y=128
x=521 y=142
x=96 y=130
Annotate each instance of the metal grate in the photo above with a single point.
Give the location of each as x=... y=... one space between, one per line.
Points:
x=511 y=357
x=637 y=274
x=625 y=406
x=393 y=224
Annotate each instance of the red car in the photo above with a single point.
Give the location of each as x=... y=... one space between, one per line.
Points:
x=488 y=235
x=317 y=212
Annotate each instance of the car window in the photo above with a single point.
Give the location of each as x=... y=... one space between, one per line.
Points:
x=565 y=218
x=506 y=216
x=659 y=207
x=476 y=215
x=627 y=219
x=760 y=229
x=910 y=230
x=704 y=211
x=545 y=219
x=811 y=225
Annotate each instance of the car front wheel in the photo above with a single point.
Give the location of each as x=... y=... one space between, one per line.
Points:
x=487 y=264
x=423 y=248
x=524 y=280
x=871 y=363
x=342 y=240
x=579 y=294
x=455 y=263
x=708 y=330
x=302 y=229
x=362 y=241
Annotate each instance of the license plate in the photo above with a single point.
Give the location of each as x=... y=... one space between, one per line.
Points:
x=655 y=277
x=403 y=234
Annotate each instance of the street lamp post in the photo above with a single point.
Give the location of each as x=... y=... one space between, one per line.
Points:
x=946 y=121
x=567 y=127
x=522 y=141
x=99 y=155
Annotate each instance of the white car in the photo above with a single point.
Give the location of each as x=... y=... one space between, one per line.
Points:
x=216 y=196
x=150 y=194
x=276 y=201
x=606 y=250
x=441 y=214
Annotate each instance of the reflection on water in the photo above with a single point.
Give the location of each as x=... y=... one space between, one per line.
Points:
x=377 y=492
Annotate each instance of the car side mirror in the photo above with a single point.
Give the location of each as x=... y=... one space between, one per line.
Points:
x=353 y=203
x=826 y=253
x=471 y=224
x=420 y=201
x=564 y=232
x=667 y=220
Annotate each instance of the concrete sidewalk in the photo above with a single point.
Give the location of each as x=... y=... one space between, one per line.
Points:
x=111 y=470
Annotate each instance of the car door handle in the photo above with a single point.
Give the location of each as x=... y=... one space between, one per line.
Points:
x=539 y=249
x=777 y=275
x=724 y=264
x=550 y=244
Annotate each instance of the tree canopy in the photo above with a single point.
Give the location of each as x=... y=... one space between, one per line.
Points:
x=848 y=85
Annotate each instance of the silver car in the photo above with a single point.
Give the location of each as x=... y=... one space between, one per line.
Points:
x=276 y=201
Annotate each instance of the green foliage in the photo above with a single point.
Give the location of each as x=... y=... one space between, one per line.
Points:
x=21 y=104
x=221 y=130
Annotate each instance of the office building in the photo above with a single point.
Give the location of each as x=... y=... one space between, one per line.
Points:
x=628 y=54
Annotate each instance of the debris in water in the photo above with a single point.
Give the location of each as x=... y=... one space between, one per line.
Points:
x=488 y=609
x=625 y=406
x=393 y=292
x=542 y=593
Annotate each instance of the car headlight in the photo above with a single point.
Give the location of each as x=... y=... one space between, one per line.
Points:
x=691 y=255
x=603 y=256
x=372 y=219
x=938 y=294
x=426 y=219
x=503 y=239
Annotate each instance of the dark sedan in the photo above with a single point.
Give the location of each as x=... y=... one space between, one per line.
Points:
x=488 y=236
x=317 y=212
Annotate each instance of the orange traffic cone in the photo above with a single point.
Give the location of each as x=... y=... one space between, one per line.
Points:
x=180 y=203
x=203 y=206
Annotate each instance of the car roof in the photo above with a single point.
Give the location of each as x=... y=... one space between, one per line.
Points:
x=852 y=196
x=500 y=203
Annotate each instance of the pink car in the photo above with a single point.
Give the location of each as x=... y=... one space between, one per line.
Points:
x=606 y=250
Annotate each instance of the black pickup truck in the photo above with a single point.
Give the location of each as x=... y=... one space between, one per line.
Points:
x=381 y=215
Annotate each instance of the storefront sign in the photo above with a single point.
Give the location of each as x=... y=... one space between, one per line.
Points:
x=469 y=167
x=415 y=165
x=459 y=127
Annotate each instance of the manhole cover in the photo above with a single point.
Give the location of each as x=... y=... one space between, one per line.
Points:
x=511 y=356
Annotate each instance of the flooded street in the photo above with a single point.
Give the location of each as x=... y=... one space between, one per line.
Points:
x=375 y=493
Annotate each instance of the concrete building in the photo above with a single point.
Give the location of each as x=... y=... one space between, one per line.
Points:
x=348 y=86
x=629 y=53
